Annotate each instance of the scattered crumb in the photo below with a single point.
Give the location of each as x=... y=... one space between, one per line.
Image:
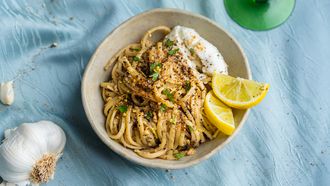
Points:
x=71 y=18
x=172 y=177
x=167 y=170
x=191 y=151
x=53 y=45
x=186 y=173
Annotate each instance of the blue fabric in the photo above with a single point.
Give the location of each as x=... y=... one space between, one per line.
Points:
x=284 y=142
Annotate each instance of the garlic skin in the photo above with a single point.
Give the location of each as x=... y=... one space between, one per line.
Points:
x=24 y=149
x=7 y=93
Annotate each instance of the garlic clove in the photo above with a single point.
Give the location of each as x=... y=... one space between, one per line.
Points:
x=30 y=152
x=7 y=93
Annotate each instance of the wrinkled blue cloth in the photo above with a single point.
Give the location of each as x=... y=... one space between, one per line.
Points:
x=286 y=138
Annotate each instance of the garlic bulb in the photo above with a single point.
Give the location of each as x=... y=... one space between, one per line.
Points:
x=29 y=152
x=7 y=93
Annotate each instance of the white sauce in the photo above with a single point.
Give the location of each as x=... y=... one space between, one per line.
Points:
x=7 y=93
x=210 y=59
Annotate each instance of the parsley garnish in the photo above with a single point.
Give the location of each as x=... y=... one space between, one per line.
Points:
x=154 y=70
x=169 y=43
x=192 y=51
x=172 y=52
x=135 y=58
x=163 y=107
x=179 y=155
x=154 y=65
x=154 y=76
x=187 y=86
x=190 y=128
x=169 y=95
x=122 y=108
x=148 y=115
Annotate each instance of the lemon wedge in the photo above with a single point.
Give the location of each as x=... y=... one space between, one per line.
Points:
x=237 y=92
x=219 y=114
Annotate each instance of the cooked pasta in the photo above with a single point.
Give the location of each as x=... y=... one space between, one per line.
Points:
x=154 y=100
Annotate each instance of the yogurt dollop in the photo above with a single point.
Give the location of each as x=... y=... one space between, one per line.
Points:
x=191 y=44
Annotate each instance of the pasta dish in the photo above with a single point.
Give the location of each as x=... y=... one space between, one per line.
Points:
x=155 y=93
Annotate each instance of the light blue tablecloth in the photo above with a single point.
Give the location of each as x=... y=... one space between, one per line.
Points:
x=284 y=142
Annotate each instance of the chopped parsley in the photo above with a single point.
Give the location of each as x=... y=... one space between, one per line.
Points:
x=168 y=94
x=154 y=76
x=190 y=128
x=154 y=70
x=192 y=51
x=172 y=52
x=122 y=108
x=153 y=66
x=187 y=86
x=163 y=107
x=148 y=115
x=179 y=155
x=169 y=43
x=135 y=58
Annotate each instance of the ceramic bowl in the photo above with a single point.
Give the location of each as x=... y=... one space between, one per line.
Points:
x=131 y=31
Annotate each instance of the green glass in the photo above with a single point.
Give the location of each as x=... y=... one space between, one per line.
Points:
x=259 y=14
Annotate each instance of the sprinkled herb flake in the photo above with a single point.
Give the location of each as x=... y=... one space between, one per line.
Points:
x=149 y=115
x=179 y=155
x=154 y=70
x=163 y=107
x=192 y=51
x=172 y=52
x=154 y=76
x=187 y=86
x=168 y=94
x=135 y=58
x=122 y=108
x=153 y=66
x=169 y=43
x=191 y=129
